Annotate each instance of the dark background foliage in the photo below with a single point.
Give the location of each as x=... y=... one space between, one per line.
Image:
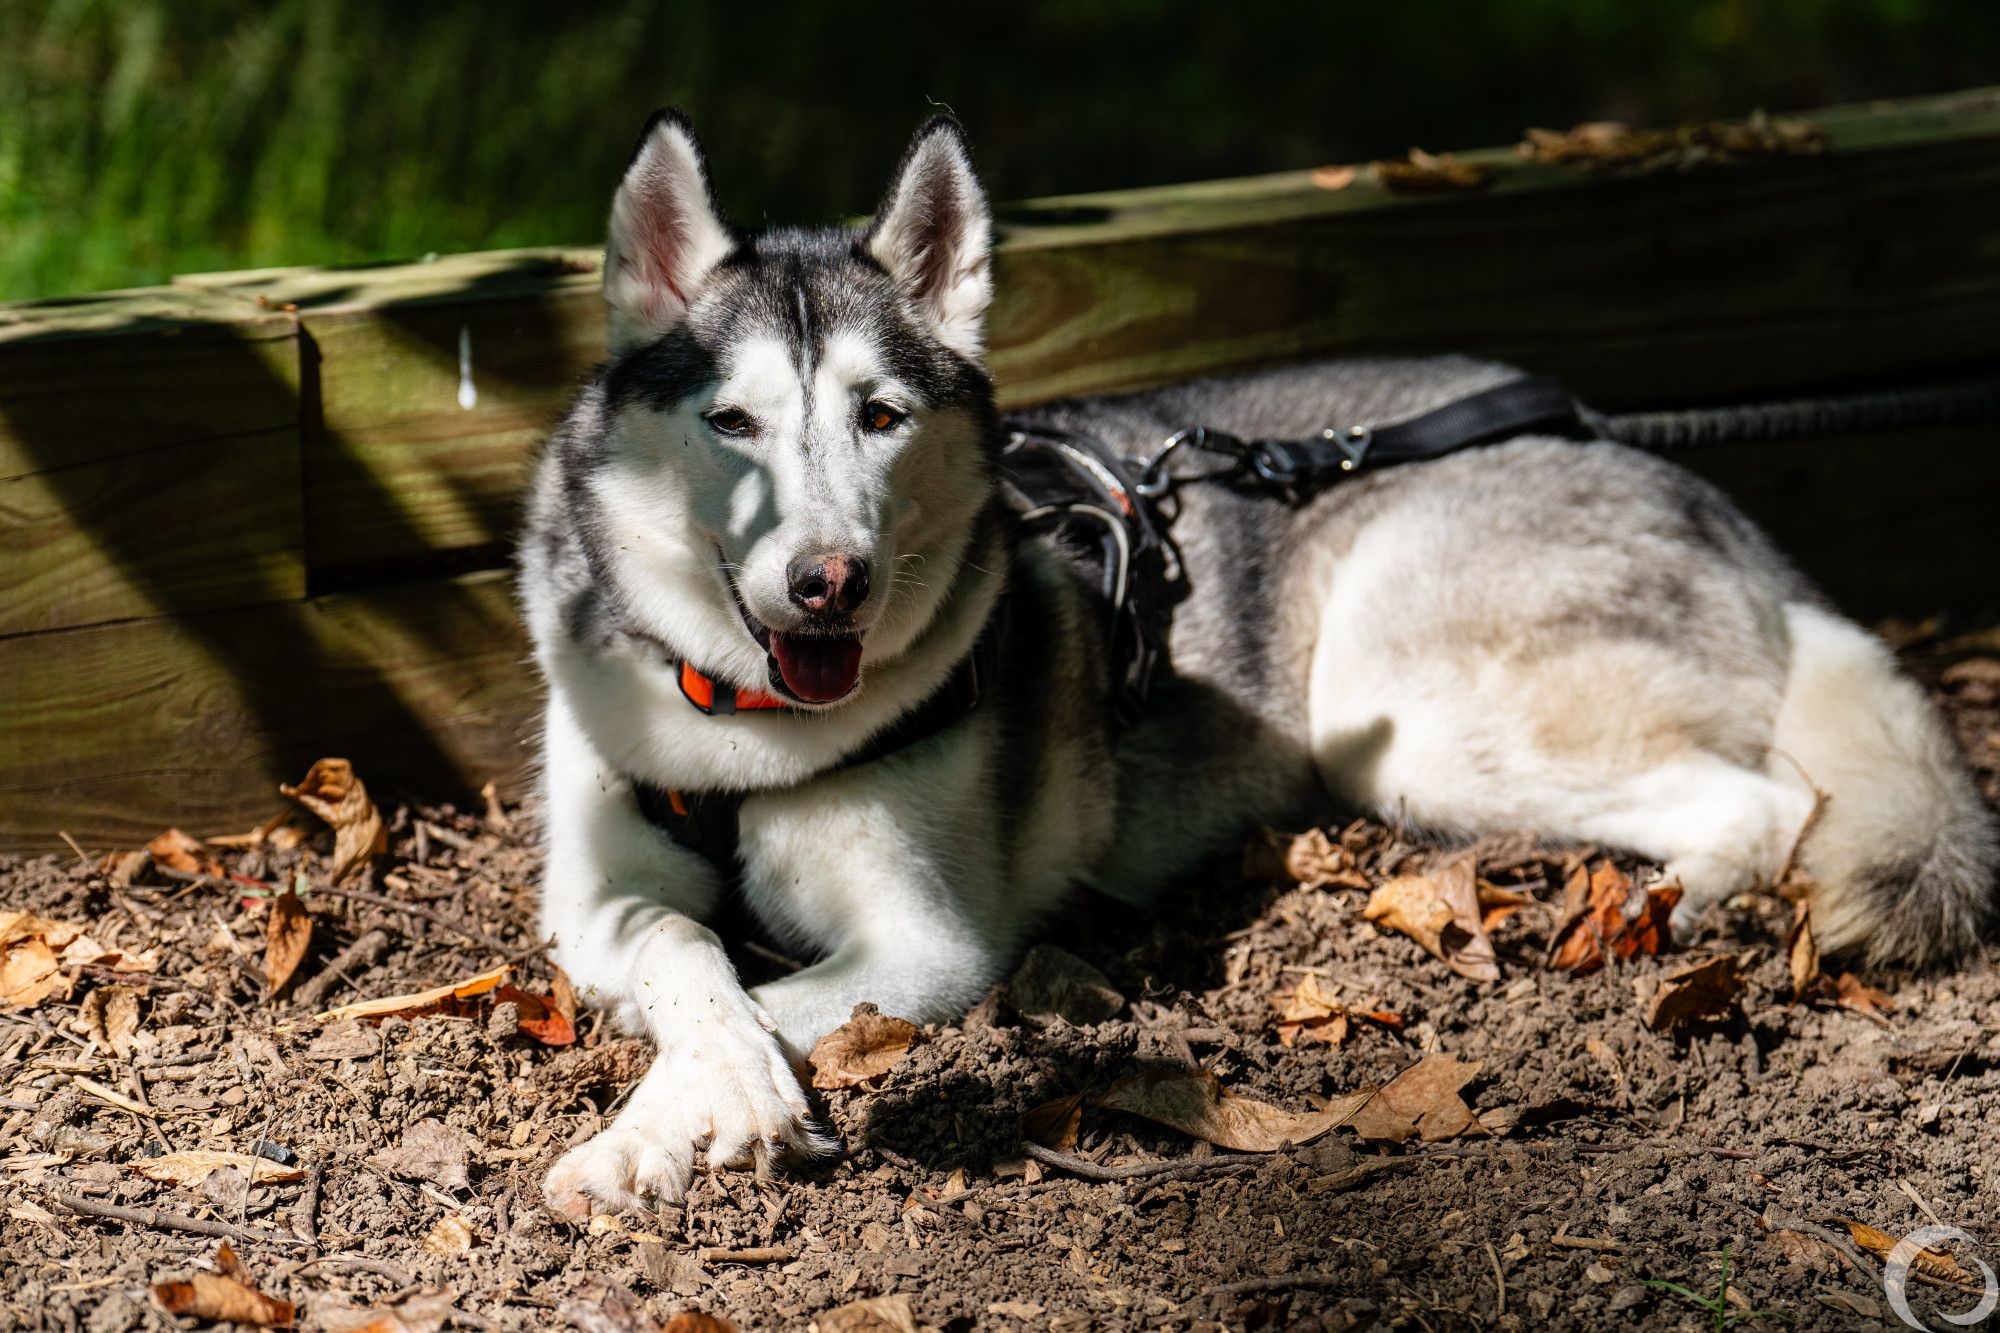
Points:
x=141 y=138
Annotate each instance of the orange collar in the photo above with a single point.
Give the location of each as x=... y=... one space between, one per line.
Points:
x=703 y=694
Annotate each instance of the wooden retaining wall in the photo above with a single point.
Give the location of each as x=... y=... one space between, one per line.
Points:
x=252 y=518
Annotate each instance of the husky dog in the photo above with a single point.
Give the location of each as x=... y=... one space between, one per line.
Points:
x=784 y=486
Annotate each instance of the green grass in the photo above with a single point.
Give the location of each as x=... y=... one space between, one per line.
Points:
x=1721 y=1317
x=150 y=137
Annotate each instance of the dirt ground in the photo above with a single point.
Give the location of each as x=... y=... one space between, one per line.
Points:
x=1622 y=1156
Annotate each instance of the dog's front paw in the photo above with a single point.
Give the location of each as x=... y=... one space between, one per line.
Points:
x=730 y=1090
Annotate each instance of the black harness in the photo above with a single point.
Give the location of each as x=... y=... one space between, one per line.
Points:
x=1073 y=487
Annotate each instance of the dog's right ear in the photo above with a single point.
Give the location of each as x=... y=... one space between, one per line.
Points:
x=666 y=234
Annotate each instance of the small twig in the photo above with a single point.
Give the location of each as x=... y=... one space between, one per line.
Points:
x=376 y=1266
x=435 y=918
x=135 y=978
x=82 y=858
x=449 y=837
x=756 y=1254
x=305 y=1217
x=1089 y=1170
x=1499 y=1282
x=156 y=1220
x=770 y=955
x=1281 y=1282
x=366 y=950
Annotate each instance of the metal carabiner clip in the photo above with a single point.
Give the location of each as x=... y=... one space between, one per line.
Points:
x=1153 y=479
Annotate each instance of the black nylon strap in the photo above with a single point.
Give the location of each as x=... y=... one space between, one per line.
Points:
x=1533 y=403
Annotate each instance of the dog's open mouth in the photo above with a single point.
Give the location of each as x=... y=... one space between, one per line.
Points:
x=814 y=668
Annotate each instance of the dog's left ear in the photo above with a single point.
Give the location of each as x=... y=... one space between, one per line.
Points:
x=933 y=234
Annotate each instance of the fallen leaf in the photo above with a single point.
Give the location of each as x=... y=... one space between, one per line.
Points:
x=1853 y=993
x=541 y=1018
x=1432 y=173
x=603 y=1305
x=451 y=1236
x=120 y=868
x=1934 y=1262
x=1054 y=1124
x=224 y=1296
x=1315 y=861
x=1424 y=1100
x=178 y=851
x=193 y=1166
x=30 y=959
x=1700 y=993
x=562 y=992
x=287 y=936
x=1607 y=145
x=694 y=1321
x=1442 y=912
x=1333 y=178
x=111 y=1016
x=1195 y=1102
x=1313 y=1010
x=1603 y=908
x=418 y=1002
x=1803 y=1250
x=1054 y=983
x=867 y=1045
x=331 y=791
x=882 y=1314
x=1802 y=952
x=1016 y=1309
x=430 y=1150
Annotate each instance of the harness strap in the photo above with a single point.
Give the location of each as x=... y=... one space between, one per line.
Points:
x=1535 y=403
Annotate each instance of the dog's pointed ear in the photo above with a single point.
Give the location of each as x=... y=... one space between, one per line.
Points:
x=666 y=234
x=933 y=234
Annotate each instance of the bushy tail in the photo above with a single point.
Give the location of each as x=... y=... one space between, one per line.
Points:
x=1904 y=850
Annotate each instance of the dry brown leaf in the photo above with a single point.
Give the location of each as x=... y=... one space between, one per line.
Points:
x=1608 y=145
x=1315 y=861
x=1053 y=983
x=1311 y=1009
x=1054 y=1124
x=417 y=1002
x=1441 y=911
x=331 y=791
x=694 y=1321
x=1802 y=952
x=431 y=1150
x=1432 y=173
x=32 y=952
x=603 y=1305
x=178 y=851
x=1935 y=1262
x=452 y=1235
x=1602 y=907
x=120 y=868
x=111 y=1016
x=422 y=1313
x=1195 y=1102
x=867 y=1045
x=1333 y=178
x=1700 y=993
x=541 y=1017
x=224 y=1296
x=1853 y=993
x=287 y=936
x=1425 y=1099
x=192 y=1167
x=881 y=1314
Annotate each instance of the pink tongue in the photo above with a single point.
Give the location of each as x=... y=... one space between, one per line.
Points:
x=819 y=668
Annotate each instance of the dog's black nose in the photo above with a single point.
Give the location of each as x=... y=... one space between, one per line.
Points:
x=834 y=584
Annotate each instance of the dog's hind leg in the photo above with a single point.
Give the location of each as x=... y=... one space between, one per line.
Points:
x=624 y=906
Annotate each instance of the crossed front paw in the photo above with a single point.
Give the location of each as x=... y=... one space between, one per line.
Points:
x=728 y=1094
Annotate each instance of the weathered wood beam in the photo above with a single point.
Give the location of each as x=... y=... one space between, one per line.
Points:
x=149 y=458
x=114 y=732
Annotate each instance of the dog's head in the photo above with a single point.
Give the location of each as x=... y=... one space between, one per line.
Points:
x=800 y=431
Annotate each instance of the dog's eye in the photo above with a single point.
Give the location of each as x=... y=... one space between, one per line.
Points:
x=730 y=421
x=877 y=416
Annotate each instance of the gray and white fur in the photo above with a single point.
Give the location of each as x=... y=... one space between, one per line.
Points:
x=1573 y=638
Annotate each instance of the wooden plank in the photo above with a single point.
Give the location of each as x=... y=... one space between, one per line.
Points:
x=1879 y=258
x=115 y=732
x=435 y=382
x=149 y=458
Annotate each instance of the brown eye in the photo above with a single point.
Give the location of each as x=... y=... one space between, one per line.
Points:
x=729 y=421
x=878 y=416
